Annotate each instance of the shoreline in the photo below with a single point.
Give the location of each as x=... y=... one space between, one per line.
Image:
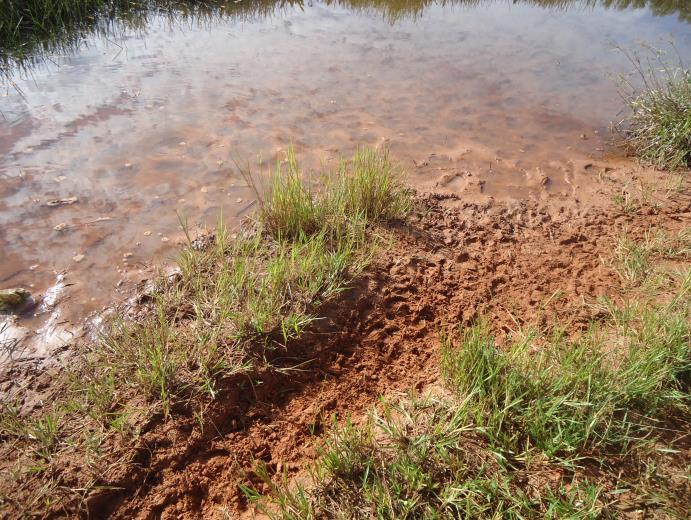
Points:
x=452 y=260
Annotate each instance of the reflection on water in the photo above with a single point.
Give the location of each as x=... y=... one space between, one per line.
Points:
x=24 y=42
x=103 y=148
x=397 y=9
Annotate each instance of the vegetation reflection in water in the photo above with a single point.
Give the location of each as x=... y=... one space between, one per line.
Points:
x=31 y=30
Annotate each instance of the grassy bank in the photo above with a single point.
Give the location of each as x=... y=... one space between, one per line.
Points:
x=239 y=297
x=234 y=301
x=658 y=126
x=545 y=426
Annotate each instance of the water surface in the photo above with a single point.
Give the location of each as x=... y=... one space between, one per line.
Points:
x=141 y=125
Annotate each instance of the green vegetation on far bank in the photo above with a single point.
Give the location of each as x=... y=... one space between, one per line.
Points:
x=31 y=29
x=546 y=426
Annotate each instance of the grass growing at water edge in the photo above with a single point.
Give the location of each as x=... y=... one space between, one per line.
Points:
x=233 y=302
x=367 y=188
x=658 y=127
x=238 y=298
x=33 y=30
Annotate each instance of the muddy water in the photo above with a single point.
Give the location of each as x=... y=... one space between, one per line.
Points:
x=104 y=148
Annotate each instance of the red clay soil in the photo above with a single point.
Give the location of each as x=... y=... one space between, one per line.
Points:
x=451 y=263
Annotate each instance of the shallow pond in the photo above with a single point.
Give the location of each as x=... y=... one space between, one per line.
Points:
x=103 y=146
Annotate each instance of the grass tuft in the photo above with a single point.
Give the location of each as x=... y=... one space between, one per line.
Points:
x=633 y=259
x=371 y=186
x=289 y=208
x=368 y=187
x=658 y=128
x=602 y=391
x=418 y=459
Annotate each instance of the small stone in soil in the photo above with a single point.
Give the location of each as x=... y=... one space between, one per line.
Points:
x=164 y=239
x=10 y=298
x=147 y=233
x=78 y=258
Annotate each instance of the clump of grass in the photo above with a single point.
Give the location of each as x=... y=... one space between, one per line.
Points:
x=670 y=246
x=658 y=128
x=368 y=187
x=418 y=459
x=632 y=259
x=289 y=207
x=371 y=186
x=603 y=390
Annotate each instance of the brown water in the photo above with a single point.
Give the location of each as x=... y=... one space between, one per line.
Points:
x=144 y=128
